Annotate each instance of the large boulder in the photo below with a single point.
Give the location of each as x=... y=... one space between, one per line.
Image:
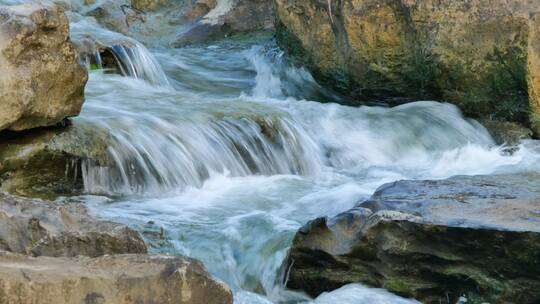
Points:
x=476 y=237
x=41 y=80
x=119 y=279
x=479 y=54
x=46 y=228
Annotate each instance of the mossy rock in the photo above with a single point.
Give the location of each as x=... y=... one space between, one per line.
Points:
x=48 y=162
x=477 y=54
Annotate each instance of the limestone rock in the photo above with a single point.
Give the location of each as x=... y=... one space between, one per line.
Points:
x=119 y=279
x=45 y=228
x=479 y=54
x=432 y=240
x=41 y=80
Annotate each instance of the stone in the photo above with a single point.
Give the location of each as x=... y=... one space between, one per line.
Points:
x=41 y=80
x=478 y=54
x=119 y=16
x=507 y=133
x=47 y=163
x=533 y=72
x=119 y=279
x=60 y=229
x=227 y=17
x=436 y=241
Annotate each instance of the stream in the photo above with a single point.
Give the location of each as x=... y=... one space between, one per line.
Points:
x=222 y=151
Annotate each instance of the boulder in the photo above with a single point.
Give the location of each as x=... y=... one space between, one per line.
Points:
x=474 y=237
x=45 y=228
x=481 y=55
x=41 y=79
x=119 y=279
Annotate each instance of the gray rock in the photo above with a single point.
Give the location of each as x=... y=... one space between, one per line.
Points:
x=45 y=228
x=432 y=240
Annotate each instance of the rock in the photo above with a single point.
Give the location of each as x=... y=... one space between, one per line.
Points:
x=41 y=79
x=46 y=228
x=118 y=15
x=481 y=55
x=48 y=162
x=146 y=5
x=505 y=132
x=477 y=237
x=533 y=68
x=227 y=17
x=108 y=279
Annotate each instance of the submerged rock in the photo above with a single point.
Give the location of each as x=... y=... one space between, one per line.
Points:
x=41 y=79
x=480 y=55
x=477 y=237
x=109 y=279
x=45 y=228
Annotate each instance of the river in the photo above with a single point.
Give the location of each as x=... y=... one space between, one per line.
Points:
x=222 y=151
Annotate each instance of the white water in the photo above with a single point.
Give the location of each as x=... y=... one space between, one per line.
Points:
x=225 y=152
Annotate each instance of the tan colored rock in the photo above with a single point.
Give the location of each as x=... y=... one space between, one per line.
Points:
x=145 y=5
x=472 y=53
x=41 y=81
x=534 y=72
x=46 y=228
x=119 y=279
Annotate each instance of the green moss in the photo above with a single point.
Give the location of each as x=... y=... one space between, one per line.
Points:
x=290 y=43
x=402 y=285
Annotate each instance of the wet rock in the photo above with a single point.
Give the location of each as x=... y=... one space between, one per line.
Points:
x=45 y=228
x=505 y=132
x=108 y=279
x=41 y=79
x=48 y=162
x=480 y=55
x=477 y=237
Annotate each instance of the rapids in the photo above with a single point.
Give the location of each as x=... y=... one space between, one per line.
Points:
x=229 y=149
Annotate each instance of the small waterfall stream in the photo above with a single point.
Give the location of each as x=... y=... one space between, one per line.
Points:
x=232 y=159
x=228 y=148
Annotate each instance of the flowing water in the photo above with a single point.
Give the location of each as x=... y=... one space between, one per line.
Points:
x=222 y=151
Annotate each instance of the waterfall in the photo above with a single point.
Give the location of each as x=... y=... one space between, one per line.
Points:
x=158 y=155
x=132 y=60
x=111 y=52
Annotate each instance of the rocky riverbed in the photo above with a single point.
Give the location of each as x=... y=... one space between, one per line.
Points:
x=152 y=149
